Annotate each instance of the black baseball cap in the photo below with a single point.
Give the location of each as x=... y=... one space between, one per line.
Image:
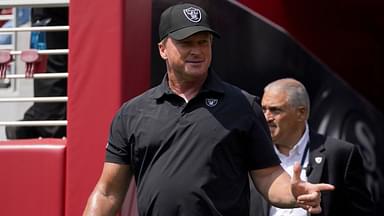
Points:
x=183 y=20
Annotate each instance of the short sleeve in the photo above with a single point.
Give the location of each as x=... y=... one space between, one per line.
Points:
x=118 y=148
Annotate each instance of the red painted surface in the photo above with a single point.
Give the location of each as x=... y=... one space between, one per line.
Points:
x=345 y=35
x=109 y=62
x=32 y=177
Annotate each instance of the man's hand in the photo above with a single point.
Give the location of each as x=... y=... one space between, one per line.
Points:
x=308 y=196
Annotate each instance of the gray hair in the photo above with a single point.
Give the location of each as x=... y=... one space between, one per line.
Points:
x=297 y=94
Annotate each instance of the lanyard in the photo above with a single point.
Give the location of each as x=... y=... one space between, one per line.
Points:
x=304 y=154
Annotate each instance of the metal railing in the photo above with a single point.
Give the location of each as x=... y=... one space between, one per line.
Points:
x=41 y=28
x=50 y=52
x=35 y=3
x=34 y=123
x=35 y=99
x=39 y=76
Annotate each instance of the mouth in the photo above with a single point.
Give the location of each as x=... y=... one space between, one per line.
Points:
x=195 y=64
x=272 y=127
x=195 y=61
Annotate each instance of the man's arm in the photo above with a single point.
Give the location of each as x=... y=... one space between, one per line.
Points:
x=285 y=192
x=110 y=190
x=274 y=184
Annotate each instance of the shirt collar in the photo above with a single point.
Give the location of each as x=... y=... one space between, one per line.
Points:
x=212 y=84
x=303 y=140
x=162 y=89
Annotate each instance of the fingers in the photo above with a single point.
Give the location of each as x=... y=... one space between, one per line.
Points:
x=324 y=187
x=314 y=210
x=296 y=173
x=308 y=195
x=311 y=209
x=310 y=202
x=311 y=199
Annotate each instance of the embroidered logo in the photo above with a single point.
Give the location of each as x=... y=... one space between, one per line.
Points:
x=211 y=102
x=192 y=14
x=318 y=160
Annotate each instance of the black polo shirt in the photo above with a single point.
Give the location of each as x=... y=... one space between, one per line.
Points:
x=192 y=159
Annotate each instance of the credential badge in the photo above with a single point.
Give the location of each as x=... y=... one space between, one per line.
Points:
x=192 y=14
x=318 y=160
x=211 y=102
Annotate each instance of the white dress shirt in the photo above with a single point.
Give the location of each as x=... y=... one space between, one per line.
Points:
x=287 y=162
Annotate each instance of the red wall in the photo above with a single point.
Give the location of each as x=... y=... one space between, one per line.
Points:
x=109 y=62
x=345 y=35
x=32 y=180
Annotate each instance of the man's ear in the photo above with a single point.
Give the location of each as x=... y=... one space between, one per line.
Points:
x=162 y=50
x=301 y=113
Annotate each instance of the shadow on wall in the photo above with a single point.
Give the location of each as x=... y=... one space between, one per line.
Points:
x=253 y=52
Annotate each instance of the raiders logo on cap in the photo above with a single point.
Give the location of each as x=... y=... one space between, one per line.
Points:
x=183 y=20
x=192 y=14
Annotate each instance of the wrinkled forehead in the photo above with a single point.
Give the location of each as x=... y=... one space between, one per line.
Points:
x=274 y=97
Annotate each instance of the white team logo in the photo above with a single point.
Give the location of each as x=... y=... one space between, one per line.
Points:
x=318 y=160
x=192 y=14
x=211 y=102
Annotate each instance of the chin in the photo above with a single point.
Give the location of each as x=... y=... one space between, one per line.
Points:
x=274 y=137
x=196 y=74
x=199 y=69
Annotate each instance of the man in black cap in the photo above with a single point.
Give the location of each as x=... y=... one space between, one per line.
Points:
x=191 y=141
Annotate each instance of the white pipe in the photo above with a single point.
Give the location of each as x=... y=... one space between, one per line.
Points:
x=33 y=3
x=35 y=123
x=38 y=76
x=35 y=99
x=52 y=52
x=31 y=146
x=42 y=28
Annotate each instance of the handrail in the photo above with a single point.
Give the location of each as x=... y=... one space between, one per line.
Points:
x=7 y=31
x=35 y=123
x=40 y=28
x=33 y=3
x=35 y=99
x=51 y=52
x=38 y=76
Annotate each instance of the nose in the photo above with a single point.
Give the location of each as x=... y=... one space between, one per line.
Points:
x=195 y=50
x=268 y=115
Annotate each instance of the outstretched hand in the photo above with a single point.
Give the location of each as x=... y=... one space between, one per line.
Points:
x=307 y=195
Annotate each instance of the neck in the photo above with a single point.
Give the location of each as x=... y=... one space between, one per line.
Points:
x=184 y=88
x=286 y=147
